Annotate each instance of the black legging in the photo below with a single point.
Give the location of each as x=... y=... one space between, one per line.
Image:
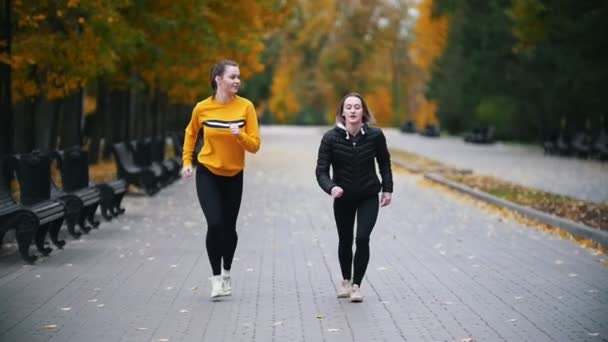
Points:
x=220 y=199
x=366 y=210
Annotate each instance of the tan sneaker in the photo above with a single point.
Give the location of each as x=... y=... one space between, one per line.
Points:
x=355 y=294
x=344 y=289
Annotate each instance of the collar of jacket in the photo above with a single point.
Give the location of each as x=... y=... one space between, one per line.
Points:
x=340 y=126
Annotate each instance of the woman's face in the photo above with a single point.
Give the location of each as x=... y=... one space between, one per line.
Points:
x=352 y=110
x=229 y=82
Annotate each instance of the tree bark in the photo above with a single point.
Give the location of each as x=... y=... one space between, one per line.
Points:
x=71 y=120
x=6 y=118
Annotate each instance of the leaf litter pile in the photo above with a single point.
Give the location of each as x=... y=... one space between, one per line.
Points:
x=592 y=214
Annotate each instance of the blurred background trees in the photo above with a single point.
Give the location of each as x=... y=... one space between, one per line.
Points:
x=86 y=71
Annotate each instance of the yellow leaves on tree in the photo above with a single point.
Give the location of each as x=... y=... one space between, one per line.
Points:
x=55 y=48
x=283 y=102
x=380 y=104
x=426 y=113
x=430 y=36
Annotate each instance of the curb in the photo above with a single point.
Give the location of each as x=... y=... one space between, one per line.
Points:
x=414 y=169
x=574 y=228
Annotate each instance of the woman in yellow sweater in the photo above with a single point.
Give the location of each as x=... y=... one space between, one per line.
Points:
x=230 y=127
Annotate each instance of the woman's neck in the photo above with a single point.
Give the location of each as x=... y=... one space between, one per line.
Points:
x=223 y=97
x=353 y=129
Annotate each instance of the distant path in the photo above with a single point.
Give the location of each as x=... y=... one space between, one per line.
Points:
x=526 y=165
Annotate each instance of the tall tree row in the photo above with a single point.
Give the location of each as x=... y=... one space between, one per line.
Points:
x=145 y=63
x=532 y=68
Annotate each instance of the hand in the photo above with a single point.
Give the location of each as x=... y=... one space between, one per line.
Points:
x=186 y=171
x=336 y=192
x=234 y=129
x=385 y=199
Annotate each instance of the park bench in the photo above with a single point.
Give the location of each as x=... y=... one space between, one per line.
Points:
x=409 y=127
x=35 y=217
x=142 y=155
x=172 y=165
x=142 y=178
x=178 y=142
x=431 y=131
x=481 y=135
x=110 y=193
x=74 y=169
x=600 y=146
x=581 y=144
x=32 y=170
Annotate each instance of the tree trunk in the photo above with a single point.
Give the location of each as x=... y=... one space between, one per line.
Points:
x=6 y=118
x=22 y=137
x=71 y=120
x=45 y=115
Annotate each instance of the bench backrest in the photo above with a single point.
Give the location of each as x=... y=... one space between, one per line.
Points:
x=6 y=200
x=157 y=149
x=178 y=144
x=74 y=166
x=34 y=176
x=123 y=157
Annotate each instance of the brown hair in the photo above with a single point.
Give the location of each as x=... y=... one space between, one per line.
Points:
x=368 y=117
x=218 y=69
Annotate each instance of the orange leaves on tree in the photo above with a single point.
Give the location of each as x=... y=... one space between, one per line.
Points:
x=430 y=37
x=283 y=103
x=380 y=103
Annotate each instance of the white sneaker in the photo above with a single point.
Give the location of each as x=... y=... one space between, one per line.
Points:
x=226 y=283
x=216 y=287
x=344 y=289
x=355 y=294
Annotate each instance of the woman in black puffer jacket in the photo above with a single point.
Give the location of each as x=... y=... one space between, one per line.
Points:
x=352 y=149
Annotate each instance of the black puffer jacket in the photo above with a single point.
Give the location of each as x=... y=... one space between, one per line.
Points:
x=353 y=164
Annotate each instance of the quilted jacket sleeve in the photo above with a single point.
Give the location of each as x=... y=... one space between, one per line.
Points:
x=324 y=159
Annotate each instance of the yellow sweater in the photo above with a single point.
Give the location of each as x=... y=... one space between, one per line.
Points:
x=222 y=153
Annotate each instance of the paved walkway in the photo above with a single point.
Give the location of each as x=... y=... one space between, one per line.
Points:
x=526 y=165
x=441 y=269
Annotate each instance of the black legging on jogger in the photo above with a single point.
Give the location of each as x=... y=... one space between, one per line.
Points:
x=366 y=210
x=220 y=199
